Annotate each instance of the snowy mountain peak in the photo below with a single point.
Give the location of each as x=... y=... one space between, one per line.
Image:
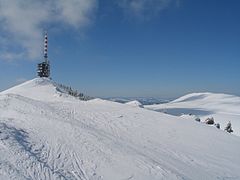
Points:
x=31 y=83
x=43 y=89
x=135 y=103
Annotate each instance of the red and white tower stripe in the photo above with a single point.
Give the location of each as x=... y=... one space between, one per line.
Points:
x=46 y=46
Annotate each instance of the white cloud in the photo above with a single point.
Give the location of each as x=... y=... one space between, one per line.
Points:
x=77 y=13
x=25 y=20
x=11 y=56
x=22 y=22
x=144 y=9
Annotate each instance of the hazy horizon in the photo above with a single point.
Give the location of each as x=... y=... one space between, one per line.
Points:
x=125 y=48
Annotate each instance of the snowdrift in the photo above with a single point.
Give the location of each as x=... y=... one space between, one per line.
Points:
x=222 y=107
x=45 y=134
x=135 y=103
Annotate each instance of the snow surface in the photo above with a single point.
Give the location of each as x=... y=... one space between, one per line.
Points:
x=40 y=89
x=222 y=107
x=135 y=103
x=45 y=134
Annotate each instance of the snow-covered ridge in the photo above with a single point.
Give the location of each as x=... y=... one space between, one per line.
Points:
x=212 y=101
x=41 y=89
x=209 y=98
x=45 y=134
x=222 y=107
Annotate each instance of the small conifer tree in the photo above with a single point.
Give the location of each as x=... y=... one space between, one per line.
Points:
x=228 y=128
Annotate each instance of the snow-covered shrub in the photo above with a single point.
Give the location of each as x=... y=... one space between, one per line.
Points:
x=198 y=119
x=217 y=125
x=74 y=93
x=209 y=121
x=228 y=128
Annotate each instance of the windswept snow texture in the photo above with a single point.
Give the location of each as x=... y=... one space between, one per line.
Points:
x=222 y=107
x=45 y=134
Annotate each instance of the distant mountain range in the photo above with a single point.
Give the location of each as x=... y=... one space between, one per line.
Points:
x=142 y=100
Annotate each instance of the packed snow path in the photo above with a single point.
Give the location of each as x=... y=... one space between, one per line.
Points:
x=45 y=134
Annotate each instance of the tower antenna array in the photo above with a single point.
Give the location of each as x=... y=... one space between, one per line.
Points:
x=44 y=67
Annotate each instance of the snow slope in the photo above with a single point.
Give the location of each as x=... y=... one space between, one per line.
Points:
x=135 y=103
x=45 y=134
x=40 y=89
x=222 y=107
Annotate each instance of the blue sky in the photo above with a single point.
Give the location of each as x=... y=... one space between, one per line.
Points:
x=150 y=48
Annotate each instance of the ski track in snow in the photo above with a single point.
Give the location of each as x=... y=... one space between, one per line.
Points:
x=64 y=138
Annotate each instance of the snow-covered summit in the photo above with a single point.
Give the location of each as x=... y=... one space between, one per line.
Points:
x=45 y=135
x=40 y=89
x=135 y=103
